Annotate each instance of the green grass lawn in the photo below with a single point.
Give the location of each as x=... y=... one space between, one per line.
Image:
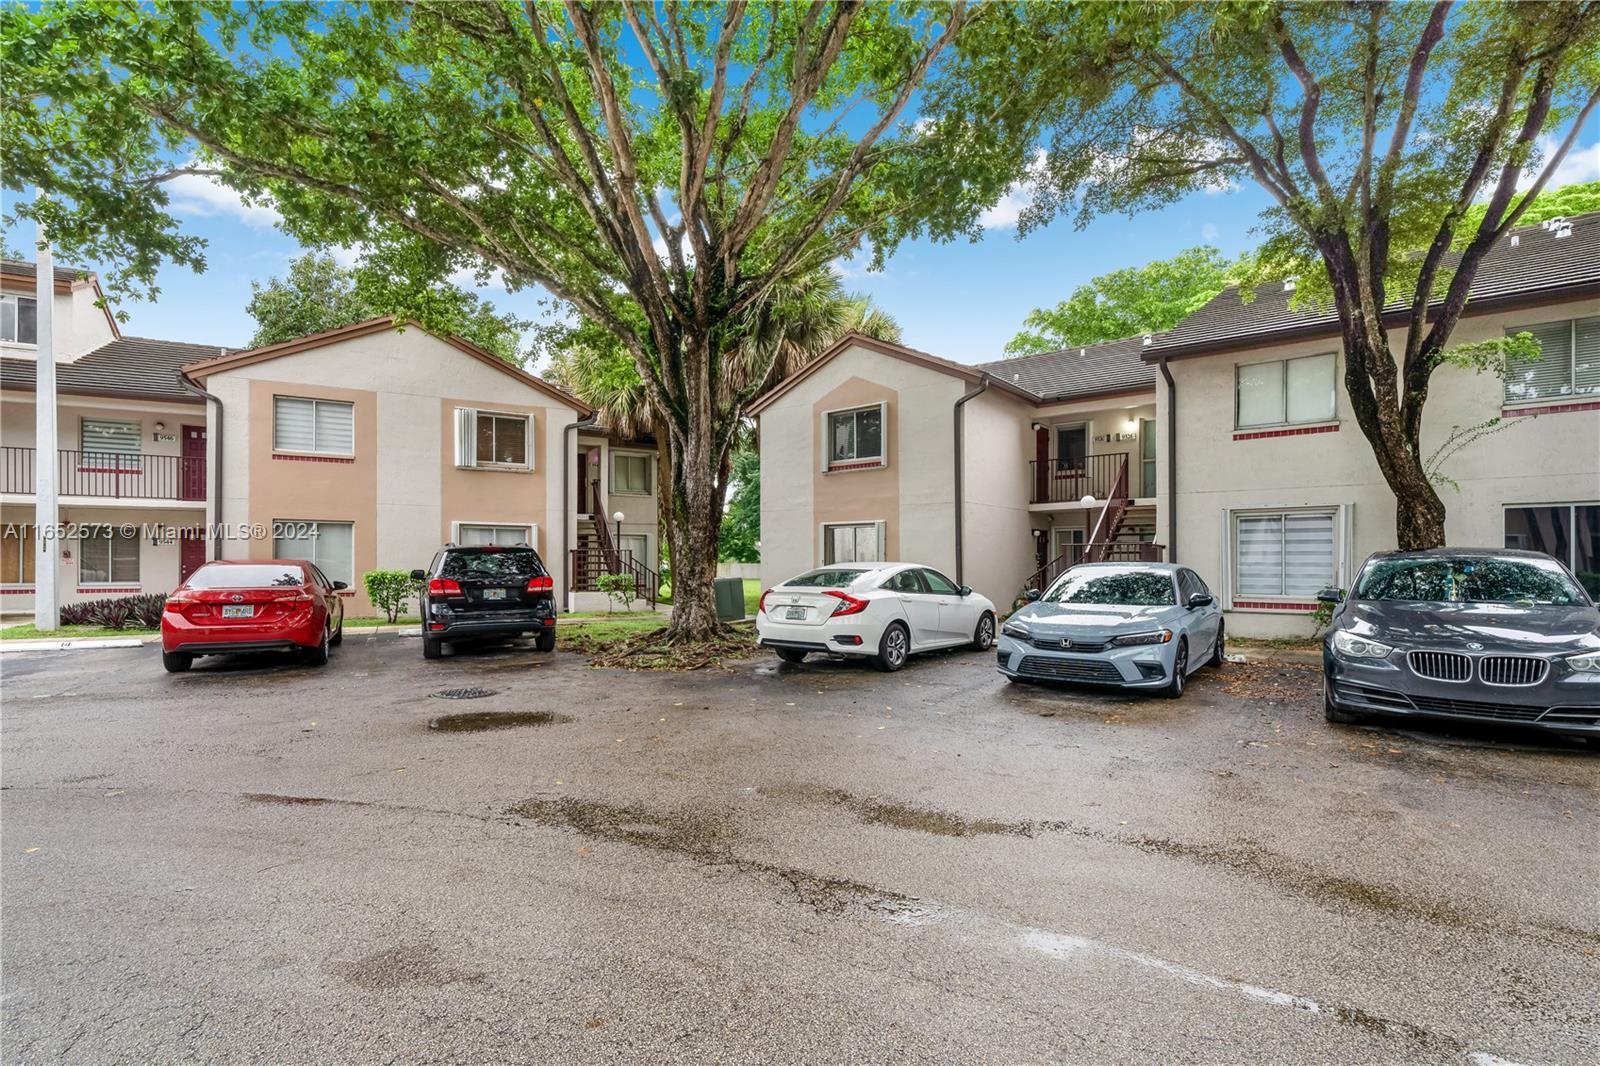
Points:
x=752 y=595
x=593 y=636
x=28 y=632
x=367 y=623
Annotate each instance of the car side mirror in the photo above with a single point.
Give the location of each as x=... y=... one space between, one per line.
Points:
x=1330 y=595
x=1033 y=595
x=337 y=585
x=966 y=590
x=419 y=575
x=1201 y=599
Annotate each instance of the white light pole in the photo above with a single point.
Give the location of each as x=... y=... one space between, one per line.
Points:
x=46 y=510
x=617 y=517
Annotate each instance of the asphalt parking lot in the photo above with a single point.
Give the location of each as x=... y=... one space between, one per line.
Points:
x=821 y=863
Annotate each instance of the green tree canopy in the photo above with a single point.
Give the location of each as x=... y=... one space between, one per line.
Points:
x=1133 y=300
x=318 y=294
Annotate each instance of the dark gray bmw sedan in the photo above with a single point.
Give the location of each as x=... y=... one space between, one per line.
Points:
x=1492 y=636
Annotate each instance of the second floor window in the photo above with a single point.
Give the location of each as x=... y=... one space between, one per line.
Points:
x=109 y=444
x=1568 y=363
x=324 y=427
x=503 y=439
x=1285 y=392
x=630 y=473
x=855 y=436
x=19 y=320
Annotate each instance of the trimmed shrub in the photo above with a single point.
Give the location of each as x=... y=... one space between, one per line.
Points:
x=390 y=590
x=119 y=612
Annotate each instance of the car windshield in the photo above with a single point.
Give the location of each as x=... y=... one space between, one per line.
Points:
x=1467 y=579
x=233 y=576
x=1127 y=586
x=510 y=563
x=832 y=578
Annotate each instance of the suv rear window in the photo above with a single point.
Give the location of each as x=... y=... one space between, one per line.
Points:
x=231 y=576
x=507 y=563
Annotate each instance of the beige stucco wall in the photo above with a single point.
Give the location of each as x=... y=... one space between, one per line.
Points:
x=997 y=550
x=845 y=496
x=78 y=326
x=403 y=490
x=1552 y=458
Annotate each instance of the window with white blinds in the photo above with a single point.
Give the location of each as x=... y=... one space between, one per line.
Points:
x=108 y=556
x=326 y=427
x=504 y=536
x=1287 y=554
x=105 y=442
x=854 y=542
x=630 y=473
x=1285 y=392
x=1568 y=363
x=329 y=546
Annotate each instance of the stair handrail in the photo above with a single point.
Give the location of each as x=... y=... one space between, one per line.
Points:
x=608 y=547
x=1105 y=526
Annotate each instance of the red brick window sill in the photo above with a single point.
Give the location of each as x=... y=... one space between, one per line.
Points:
x=1272 y=605
x=1293 y=431
x=1551 y=408
x=315 y=458
x=869 y=464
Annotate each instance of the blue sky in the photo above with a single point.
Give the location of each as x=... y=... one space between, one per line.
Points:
x=961 y=300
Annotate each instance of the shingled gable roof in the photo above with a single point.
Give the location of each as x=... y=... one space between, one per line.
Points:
x=1082 y=372
x=1538 y=267
x=128 y=367
x=233 y=360
x=62 y=280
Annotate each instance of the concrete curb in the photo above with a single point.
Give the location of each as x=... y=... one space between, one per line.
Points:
x=84 y=644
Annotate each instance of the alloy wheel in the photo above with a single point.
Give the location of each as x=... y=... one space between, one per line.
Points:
x=985 y=633
x=895 y=649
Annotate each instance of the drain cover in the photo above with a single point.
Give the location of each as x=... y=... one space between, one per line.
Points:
x=463 y=694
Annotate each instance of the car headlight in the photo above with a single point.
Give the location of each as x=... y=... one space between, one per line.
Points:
x=1159 y=636
x=1016 y=630
x=1588 y=663
x=1353 y=647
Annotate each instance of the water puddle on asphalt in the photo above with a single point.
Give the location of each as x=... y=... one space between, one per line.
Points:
x=874 y=811
x=286 y=801
x=485 y=721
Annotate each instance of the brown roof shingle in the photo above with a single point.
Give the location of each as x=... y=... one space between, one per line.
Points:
x=128 y=366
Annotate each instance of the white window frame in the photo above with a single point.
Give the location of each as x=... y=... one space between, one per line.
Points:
x=125 y=462
x=1572 y=394
x=529 y=530
x=312 y=557
x=315 y=402
x=860 y=462
x=14 y=299
x=822 y=538
x=466 y=440
x=649 y=473
x=644 y=559
x=107 y=535
x=1331 y=419
x=1343 y=530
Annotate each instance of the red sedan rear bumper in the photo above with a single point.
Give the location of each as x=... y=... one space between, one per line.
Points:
x=301 y=629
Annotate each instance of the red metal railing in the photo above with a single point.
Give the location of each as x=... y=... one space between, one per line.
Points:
x=1116 y=551
x=590 y=564
x=109 y=474
x=1070 y=480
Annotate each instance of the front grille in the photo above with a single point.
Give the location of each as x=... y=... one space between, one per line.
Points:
x=1440 y=665
x=1512 y=669
x=1069 y=669
x=1477 y=708
x=1066 y=643
x=1376 y=697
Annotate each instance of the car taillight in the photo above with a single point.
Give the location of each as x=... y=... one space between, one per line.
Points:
x=443 y=586
x=175 y=605
x=761 y=604
x=847 y=604
x=541 y=584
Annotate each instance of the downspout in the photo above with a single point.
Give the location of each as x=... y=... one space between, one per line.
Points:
x=216 y=474
x=983 y=386
x=566 y=502
x=1172 y=461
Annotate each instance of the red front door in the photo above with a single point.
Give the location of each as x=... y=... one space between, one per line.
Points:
x=193 y=483
x=191 y=552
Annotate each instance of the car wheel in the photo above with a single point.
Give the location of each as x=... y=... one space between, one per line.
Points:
x=545 y=639
x=318 y=655
x=1219 y=649
x=432 y=648
x=1180 y=668
x=176 y=662
x=791 y=655
x=892 y=648
x=983 y=638
x=338 y=635
x=1331 y=711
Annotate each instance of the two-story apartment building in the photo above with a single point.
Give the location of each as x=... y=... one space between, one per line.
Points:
x=1225 y=443
x=362 y=448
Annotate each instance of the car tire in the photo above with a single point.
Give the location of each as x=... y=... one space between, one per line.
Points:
x=1180 y=668
x=432 y=648
x=792 y=655
x=983 y=636
x=338 y=635
x=176 y=662
x=318 y=655
x=1331 y=711
x=893 y=648
x=1219 y=648
x=545 y=639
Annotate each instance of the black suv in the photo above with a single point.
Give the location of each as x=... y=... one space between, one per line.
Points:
x=486 y=591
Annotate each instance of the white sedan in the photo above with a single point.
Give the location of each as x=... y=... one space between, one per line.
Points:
x=880 y=611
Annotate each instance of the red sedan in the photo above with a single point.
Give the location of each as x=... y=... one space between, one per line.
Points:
x=229 y=607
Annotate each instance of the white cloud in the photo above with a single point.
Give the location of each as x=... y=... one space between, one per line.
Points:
x=199 y=194
x=348 y=257
x=467 y=278
x=1579 y=165
x=1209 y=231
x=1005 y=212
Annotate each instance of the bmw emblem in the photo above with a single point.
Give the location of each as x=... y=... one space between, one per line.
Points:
x=1473 y=645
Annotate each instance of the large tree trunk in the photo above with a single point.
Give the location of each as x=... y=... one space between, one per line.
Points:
x=694 y=505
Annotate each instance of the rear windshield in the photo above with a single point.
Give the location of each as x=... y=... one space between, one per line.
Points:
x=825 y=579
x=231 y=576
x=511 y=562
x=1128 y=587
x=1468 y=580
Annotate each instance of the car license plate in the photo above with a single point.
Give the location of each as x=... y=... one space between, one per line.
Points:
x=247 y=611
x=795 y=614
x=494 y=594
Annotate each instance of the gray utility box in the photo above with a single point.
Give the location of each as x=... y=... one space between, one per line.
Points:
x=730 y=598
